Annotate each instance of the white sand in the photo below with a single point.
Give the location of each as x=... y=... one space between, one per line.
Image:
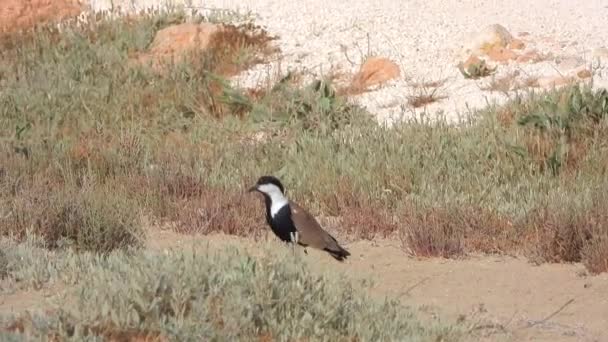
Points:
x=420 y=35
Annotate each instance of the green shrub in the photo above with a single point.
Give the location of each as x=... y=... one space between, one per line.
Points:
x=227 y=295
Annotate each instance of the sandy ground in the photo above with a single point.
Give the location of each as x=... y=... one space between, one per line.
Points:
x=500 y=298
x=422 y=36
x=509 y=298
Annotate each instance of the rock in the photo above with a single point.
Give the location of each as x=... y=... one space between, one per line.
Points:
x=516 y=44
x=501 y=54
x=375 y=70
x=23 y=14
x=584 y=73
x=175 y=40
x=485 y=40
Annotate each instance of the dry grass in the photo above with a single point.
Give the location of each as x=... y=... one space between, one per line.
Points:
x=368 y=222
x=422 y=100
x=574 y=233
x=432 y=233
x=595 y=254
x=426 y=92
x=217 y=210
x=90 y=218
x=237 y=48
x=453 y=232
x=510 y=82
x=175 y=148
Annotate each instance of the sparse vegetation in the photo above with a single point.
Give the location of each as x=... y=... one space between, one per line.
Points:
x=510 y=82
x=189 y=295
x=425 y=93
x=93 y=140
x=423 y=99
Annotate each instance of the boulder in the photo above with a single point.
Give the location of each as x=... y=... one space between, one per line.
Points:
x=176 y=40
x=490 y=37
x=374 y=71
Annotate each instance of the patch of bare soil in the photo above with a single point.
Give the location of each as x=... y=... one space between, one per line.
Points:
x=500 y=298
x=21 y=301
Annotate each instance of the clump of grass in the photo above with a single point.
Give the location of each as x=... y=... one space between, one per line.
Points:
x=95 y=220
x=503 y=84
x=450 y=232
x=316 y=107
x=425 y=93
x=595 y=254
x=368 y=222
x=219 y=210
x=571 y=231
x=235 y=48
x=421 y=100
x=225 y=295
x=432 y=233
x=510 y=82
x=565 y=126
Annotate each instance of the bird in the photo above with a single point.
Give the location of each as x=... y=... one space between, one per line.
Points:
x=293 y=224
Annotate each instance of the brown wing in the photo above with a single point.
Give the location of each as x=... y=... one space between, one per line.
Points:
x=310 y=232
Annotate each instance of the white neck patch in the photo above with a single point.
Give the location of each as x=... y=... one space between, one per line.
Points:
x=277 y=199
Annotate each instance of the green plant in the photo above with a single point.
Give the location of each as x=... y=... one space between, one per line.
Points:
x=476 y=70
x=210 y=295
x=575 y=113
x=315 y=108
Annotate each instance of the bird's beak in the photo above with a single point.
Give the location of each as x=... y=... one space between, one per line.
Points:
x=253 y=188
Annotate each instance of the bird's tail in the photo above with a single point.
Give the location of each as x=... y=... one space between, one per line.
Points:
x=339 y=253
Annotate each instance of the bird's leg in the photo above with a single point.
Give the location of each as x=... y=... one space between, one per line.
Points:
x=294 y=241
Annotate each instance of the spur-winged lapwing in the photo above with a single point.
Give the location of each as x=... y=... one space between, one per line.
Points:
x=291 y=223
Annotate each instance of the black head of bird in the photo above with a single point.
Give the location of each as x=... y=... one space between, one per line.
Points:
x=291 y=223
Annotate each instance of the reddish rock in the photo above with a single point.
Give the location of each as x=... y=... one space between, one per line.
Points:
x=178 y=39
x=24 y=14
x=375 y=70
x=502 y=55
x=173 y=42
x=583 y=73
x=516 y=44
